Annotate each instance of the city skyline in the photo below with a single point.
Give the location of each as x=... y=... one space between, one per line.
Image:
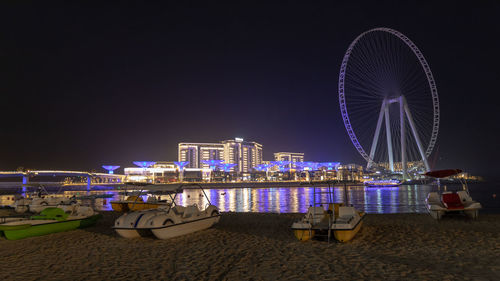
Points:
x=88 y=84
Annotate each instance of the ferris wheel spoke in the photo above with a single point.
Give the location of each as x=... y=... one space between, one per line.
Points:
x=365 y=76
x=358 y=83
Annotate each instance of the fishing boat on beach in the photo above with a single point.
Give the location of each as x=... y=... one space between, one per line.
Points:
x=341 y=220
x=445 y=202
x=175 y=220
x=50 y=220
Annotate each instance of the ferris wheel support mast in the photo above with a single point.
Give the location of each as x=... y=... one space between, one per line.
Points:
x=404 y=164
x=384 y=113
x=389 y=139
x=376 y=135
x=415 y=134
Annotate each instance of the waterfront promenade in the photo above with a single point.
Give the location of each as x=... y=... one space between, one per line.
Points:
x=10 y=186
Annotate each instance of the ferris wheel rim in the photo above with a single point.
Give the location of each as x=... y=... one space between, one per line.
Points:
x=430 y=79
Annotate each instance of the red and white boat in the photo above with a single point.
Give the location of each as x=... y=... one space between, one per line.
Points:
x=447 y=202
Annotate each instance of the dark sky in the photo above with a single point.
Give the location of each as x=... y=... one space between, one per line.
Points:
x=84 y=84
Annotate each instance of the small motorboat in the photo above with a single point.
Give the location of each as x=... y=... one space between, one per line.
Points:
x=175 y=220
x=50 y=220
x=343 y=220
x=383 y=183
x=446 y=202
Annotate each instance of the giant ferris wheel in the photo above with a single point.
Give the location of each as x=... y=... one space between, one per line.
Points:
x=389 y=101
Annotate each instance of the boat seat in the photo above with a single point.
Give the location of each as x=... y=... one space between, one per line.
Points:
x=316 y=213
x=346 y=212
x=433 y=197
x=464 y=196
x=178 y=210
x=190 y=211
x=452 y=201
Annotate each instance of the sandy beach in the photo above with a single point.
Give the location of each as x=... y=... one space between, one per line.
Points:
x=258 y=246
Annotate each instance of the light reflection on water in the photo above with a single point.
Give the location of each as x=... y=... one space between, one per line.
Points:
x=402 y=199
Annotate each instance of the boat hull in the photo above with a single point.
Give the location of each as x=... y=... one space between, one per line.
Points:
x=385 y=185
x=304 y=234
x=174 y=230
x=128 y=233
x=342 y=232
x=347 y=235
x=26 y=230
x=138 y=206
x=143 y=206
x=119 y=207
x=437 y=209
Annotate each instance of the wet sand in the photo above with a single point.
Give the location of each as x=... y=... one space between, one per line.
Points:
x=257 y=246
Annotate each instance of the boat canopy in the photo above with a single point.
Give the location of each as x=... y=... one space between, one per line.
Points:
x=443 y=173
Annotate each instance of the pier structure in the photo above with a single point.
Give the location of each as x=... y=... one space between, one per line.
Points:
x=56 y=177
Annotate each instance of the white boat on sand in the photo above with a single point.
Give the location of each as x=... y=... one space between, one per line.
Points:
x=341 y=220
x=40 y=199
x=175 y=220
x=446 y=202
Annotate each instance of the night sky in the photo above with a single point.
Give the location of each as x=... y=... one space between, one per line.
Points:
x=86 y=84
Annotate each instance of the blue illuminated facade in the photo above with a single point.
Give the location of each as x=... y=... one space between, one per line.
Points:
x=259 y=168
x=283 y=166
x=181 y=164
x=330 y=165
x=213 y=164
x=226 y=167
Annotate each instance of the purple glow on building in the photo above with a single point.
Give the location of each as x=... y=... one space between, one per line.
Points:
x=280 y=163
x=213 y=164
x=259 y=168
x=226 y=167
x=330 y=165
x=110 y=168
x=308 y=165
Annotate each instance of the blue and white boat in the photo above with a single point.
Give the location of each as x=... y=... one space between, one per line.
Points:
x=382 y=183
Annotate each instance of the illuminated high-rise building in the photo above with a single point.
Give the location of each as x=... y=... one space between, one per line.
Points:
x=289 y=156
x=245 y=155
x=196 y=153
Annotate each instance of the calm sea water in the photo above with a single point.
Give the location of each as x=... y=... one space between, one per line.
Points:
x=402 y=199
